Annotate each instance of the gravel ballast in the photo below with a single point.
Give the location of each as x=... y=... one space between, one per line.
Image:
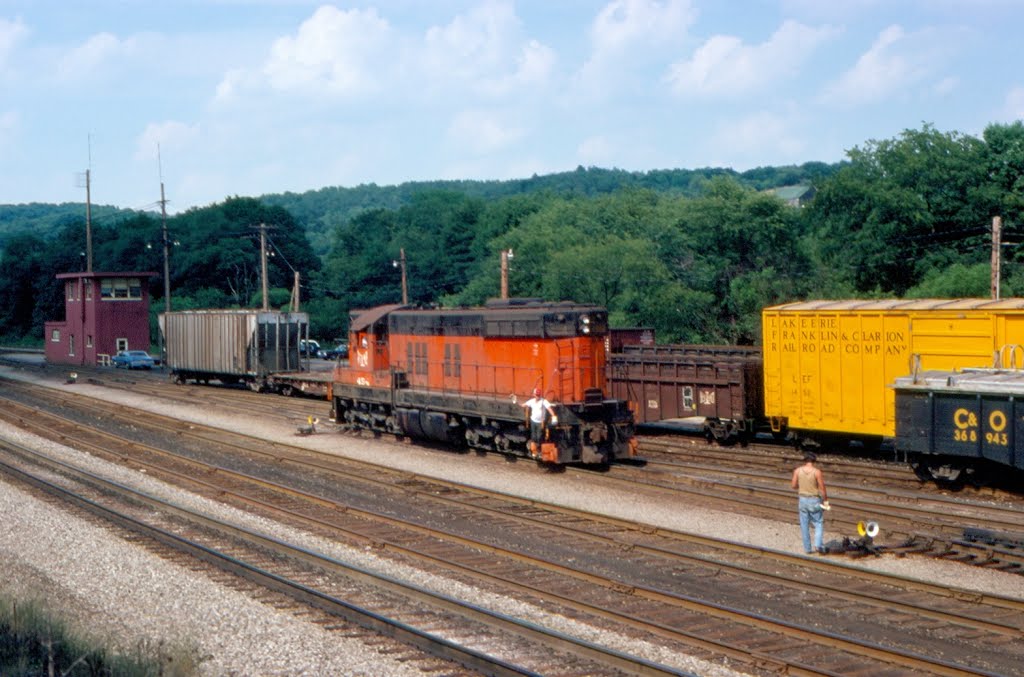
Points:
x=88 y=570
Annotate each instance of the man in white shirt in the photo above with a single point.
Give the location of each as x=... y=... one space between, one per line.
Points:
x=537 y=406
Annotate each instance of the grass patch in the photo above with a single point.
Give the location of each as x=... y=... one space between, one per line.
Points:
x=35 y=642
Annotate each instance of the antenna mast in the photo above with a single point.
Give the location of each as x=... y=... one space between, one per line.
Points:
x=88 y=211
x=167 y=245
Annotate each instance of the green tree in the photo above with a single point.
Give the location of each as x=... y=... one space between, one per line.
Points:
x=903 y=207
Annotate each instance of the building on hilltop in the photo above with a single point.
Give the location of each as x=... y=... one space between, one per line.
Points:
x=794 y=196
x=104 y=314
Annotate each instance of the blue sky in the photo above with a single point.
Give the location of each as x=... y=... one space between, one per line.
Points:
x=252 y=97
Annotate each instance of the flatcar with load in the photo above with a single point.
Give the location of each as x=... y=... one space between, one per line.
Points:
x=258 y=348
x=460 y=376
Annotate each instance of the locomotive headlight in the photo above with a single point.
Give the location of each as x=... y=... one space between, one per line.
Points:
x=585 y=321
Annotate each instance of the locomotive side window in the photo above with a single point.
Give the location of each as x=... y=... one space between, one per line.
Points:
x=687 y=397
x=452 y=360
x=421 y=358
x=416 y=357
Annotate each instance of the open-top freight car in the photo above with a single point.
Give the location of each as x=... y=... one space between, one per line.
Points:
x=952 y=423
x=721 y=385
x=256 y=347
x=460 y=376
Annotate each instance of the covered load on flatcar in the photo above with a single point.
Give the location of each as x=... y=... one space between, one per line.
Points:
x=232 y=346
x=461 y=376
x=829 y=365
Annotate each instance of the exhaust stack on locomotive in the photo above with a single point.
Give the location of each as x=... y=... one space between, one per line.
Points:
x=458 y=376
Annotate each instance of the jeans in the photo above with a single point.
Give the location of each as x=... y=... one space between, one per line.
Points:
x=536 y=432
x=811 y=513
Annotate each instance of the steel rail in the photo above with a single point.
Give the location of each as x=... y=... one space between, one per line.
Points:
x=366 y=618
x=863 y=647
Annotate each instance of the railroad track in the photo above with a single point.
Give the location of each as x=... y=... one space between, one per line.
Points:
x=670 y=451
x=921 y=521
x=329 y=593
x=740 y=573
x=912 y=521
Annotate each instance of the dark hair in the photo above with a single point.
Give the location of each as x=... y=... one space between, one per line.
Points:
x=810 y=456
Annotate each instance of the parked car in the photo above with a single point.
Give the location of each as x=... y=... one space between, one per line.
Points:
x=310 y=348
x=338 y=352
x=133 y=359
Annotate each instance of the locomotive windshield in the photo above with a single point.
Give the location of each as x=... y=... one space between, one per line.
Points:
x=576 y=323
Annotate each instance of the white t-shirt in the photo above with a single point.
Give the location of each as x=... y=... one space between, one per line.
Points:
x=537 y=406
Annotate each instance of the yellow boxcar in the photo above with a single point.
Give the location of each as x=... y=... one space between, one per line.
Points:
x=829 y=366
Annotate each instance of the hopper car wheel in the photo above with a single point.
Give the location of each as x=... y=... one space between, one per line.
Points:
x=178 y=379
x=722 y=432
x=288 y=390
x=942 y=473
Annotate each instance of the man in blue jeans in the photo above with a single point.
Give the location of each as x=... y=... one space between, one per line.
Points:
x=810 y=485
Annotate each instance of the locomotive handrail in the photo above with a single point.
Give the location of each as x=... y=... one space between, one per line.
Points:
x=482 y=379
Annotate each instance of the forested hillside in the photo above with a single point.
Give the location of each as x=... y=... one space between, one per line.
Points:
x=693 y=253
x=321 y=211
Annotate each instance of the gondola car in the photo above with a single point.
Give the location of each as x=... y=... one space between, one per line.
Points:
x=952 y=423
x=460 y=376
x=723 y=385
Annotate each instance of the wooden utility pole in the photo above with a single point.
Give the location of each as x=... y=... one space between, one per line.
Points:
x=167 y=250
x=295 y=293
x=405 y=286
x=506 y=254
x=263 y=265
x=997 y=227
x=88 y=223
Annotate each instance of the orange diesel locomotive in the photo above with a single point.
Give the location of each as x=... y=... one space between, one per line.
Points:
x=460 y=376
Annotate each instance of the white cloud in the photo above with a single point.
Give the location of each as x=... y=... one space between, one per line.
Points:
x=11 y=33
x=91 y=56
x=724 y=66
x=595 y=151
x=946 y=86
x=628 y=33
x=1013 y=106
x=896 y=60
x=169 y=135
x=359 y=53
x=622 y=24
x=336 y=51
x=750 y=141
x=8 y=126
x=234 y=82
x=532 y=70
x=483 y=50
x=480 y=132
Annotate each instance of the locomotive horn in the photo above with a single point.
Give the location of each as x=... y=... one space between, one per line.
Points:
x=869 y=529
